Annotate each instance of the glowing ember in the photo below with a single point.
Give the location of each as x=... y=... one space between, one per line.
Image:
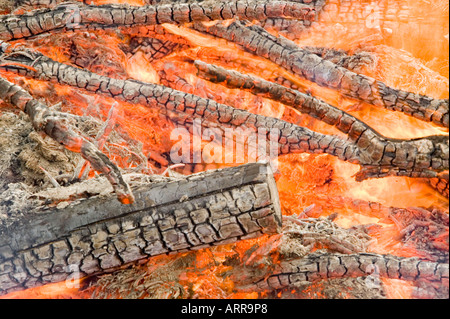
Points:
x=402 y=43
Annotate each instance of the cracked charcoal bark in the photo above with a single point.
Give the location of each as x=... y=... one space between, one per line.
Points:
x=184 y=108
x=153 y=49
x=99 y=234
x=75 y=15
x=53 y=125
x=380 y=151
x=325 y=73
x=441 y=183
x=320 y=266
x=352 y=62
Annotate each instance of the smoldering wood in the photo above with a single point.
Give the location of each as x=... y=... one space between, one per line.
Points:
x=99 y=234
x=313 y=250
x=377 y=150
x=326 y=265
x=327 y=74
x=441 y=184
x=153 y=49
x=78 y=15
x=310 y=252
x=181 y=107
x=424 y=230
x=169 y=79
x=378 y=156
x=53 y=124
x=354 y=62
x=320 y=266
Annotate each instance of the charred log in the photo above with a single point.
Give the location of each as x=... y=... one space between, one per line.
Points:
x=441 y=184
x=317 y=250
x=325 y=73
x=181 y=107
x=75 y=16
x=321 y=266
x=153 y=49
x=99 y=234
x=378 y=157
x=52 y=123
x=354 y=62
x=365 y=137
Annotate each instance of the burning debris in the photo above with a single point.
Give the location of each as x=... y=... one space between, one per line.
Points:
x=100 y=98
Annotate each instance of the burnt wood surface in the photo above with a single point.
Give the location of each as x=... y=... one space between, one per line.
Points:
x=181 y=107
x=77 y=15
x=377 y=156
x=325 y=73
x=384 y=154
x=54 y=125
x=319 y=266
x=100 y=234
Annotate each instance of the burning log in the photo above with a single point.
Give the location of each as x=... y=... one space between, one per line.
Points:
x=75 y=16
x=179 y=106
x=319 y=266
x=66 y=237
x=99 y=234
x=377 y=155
x=343 y=254
x=353 y=62
x=325 y=73
x=366 y=138
x=283 y=263
x=52 y=123
x=441 y=184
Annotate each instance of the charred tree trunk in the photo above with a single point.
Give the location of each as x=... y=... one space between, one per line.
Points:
x=321 y=266
x=100 y=234
x=76 y=16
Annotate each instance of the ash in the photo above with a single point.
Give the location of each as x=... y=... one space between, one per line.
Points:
x=30 y=161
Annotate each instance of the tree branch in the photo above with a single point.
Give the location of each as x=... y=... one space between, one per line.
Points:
x=53 y=124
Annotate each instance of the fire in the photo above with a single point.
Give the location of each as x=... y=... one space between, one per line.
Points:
x=63 y=290
x=317 y=185
x=140 y=69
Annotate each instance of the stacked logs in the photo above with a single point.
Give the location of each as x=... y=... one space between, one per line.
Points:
x=99 y=234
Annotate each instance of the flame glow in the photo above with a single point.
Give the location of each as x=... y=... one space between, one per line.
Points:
x=411 y=53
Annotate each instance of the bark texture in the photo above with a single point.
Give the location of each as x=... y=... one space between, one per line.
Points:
x=100 y=234
x=386 y=154
x=441 y=184
x=153 y=49
x=378 y=157
x=181 y=107
x=52 y=123
x=325 y=73
x=76 y=15
x=320 y=266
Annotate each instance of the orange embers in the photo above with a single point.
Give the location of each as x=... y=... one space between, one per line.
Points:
x=216 y=271
x=408 y=43
x=62 y=290
x=398 y=289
